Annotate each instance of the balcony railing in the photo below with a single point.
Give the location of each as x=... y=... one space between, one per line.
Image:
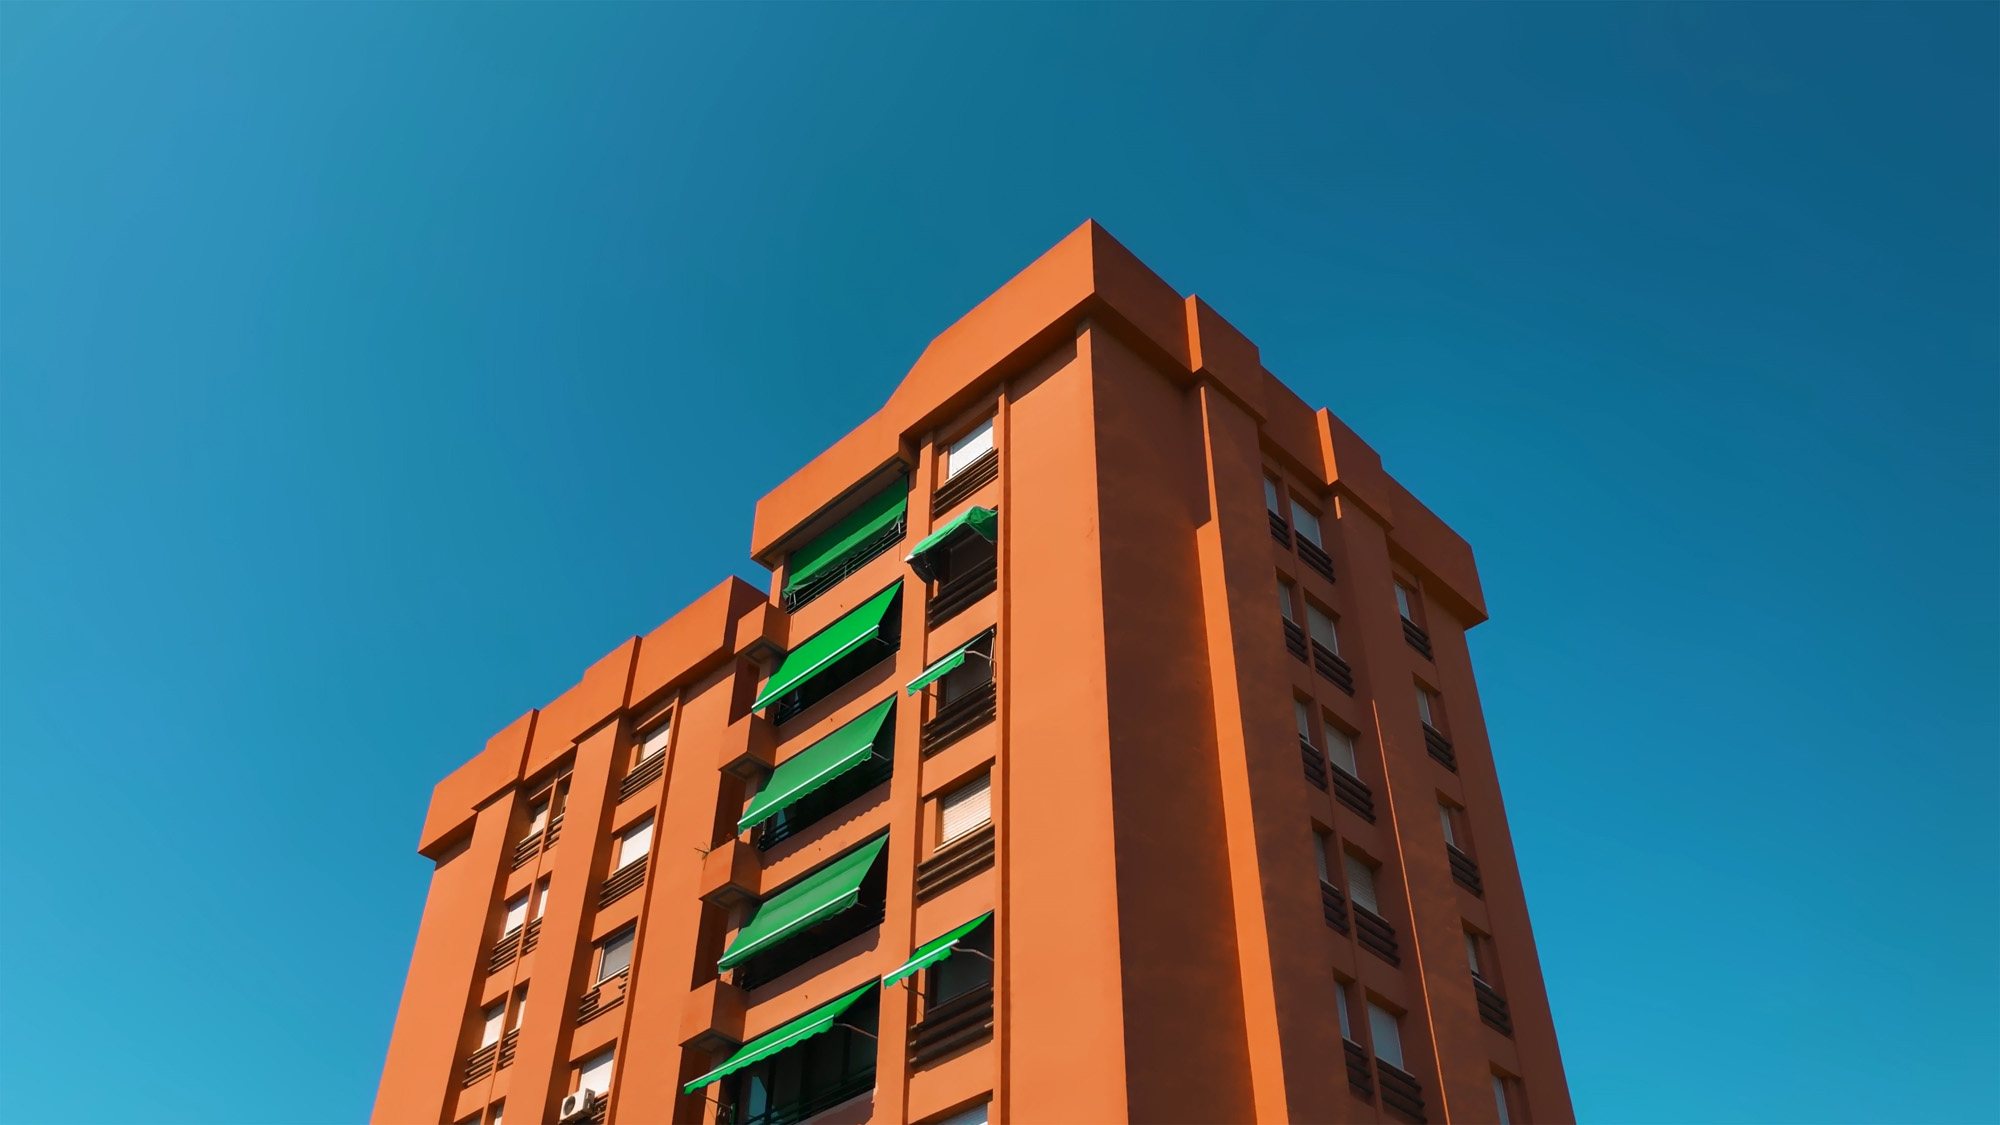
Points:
x=1280 y=530
x=1417 y=638
x=479 y=1064
x=1329 y=664
x=1493 y=1007
x=1315 y=763
x=956 y=1023
x=622 y=882
x=859 y=557
x=607 y=995
x=966 y=481
x=958 y=861
x=1376 y=935
x=642 y=775
x=1464 y=872
x=959 y=591
x=531 y=936
x=1314 y=556
x=1360 y=1078
x=1400 y=1091
x=1333 y=905
x=798 y=1109
x=508 y=1042
x=1295 y=639
x=1354 y=793
x=535 y=844
x=1440 y=748
x=959 y=718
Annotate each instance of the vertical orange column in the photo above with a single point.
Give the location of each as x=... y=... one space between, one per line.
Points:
x=437 y=998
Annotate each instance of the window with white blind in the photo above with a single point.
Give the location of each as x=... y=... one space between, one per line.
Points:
x=1320 y=626
x=1445 y=819
x=595 y=1072
x=1386 y=1031
x=538 y=818
x=654 y=742
x=965 y=808
x=1406 y=603
x=1340 y=748
x=520 y=1008
x=1307 y=523
x=1361 y=883
x=614 y=954
x=633 y=844
x=491 y=1018
x=1285 y=600
x=541 y=895
x=498 y=1107
x=969 y=448
x=517 y=913
x=1340 y=1004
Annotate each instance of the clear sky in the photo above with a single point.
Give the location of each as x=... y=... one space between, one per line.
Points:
x=370 y=370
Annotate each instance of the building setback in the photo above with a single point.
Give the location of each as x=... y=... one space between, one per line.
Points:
x=1106 y=749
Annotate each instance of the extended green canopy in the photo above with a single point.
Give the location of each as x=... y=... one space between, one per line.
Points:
x=828 y=645
x=934 y=950
x=771 y=1042
x=813 y=899
x=979 y=521
x=828 y=549
x=818 y=764
x=945 y=666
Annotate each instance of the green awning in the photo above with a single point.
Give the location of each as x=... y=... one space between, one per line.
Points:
x=934 y=950
x=813 y=899
x=818 y=764
x=828 y=645
x=945 y=666
x=980 y=521
x=828 y=548
x=771 y=1042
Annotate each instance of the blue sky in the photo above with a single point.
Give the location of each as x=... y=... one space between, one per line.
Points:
x=363 y=373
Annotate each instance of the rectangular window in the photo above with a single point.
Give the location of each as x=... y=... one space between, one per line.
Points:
x=1271 y=498
x=975 y=673
x=969 y=448
x=653 y=743
x=1425 y=707
x=1445 y=818
x=517 y=914
x=498 y=1109
x=977 y=1115
x=491 y=1018
x=1507 y=1099
x=969 y=968
x=1340 y=1004
x=1361 y=883
x=614 y=954
x=1322 y=848
x=1472 y=954
x=633 y=844
x=1285 y=599
x=1406 y=603
x=541 y=895
x=1340 y=748
x=1302 y=715
x=595 y=1072
x=520 y=1008
x=965 y=808
x=1384 y=1028
x=538 y=818
x=1307 y=523
x=1320 y=626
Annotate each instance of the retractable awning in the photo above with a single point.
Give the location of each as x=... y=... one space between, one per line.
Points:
x=945 y=664
x=807 y=902
x=934 y=950
x=818 y=764
x=828 y=645
x=771 y=1042
x=974 y=521
x=832 y=546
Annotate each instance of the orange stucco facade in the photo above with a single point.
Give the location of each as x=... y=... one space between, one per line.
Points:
x=1189 y=877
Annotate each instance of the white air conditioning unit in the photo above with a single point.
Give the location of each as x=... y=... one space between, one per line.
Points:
x=578 y=1104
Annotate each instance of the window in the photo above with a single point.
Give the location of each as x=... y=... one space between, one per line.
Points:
x=541 y=895
x=1302 y=715
x=633 y=844
x=1386 y=1032
x=653 y=743
x=1506 y=1099
x=1427 y=707
x=975 y=1115
x=1285 y=599
x=517 y=914
x=968 y=969
x=1320 y=626
x=498 y=1108
x=1340 y=1004
x=1472 y=954
x=975 y=673
x=538 y=818
x=1271 y=498
x=1322 y=848
x=594 y=1073
x=1307 y=523
x=1447 y=817
x=965 y=808
x=614 y=954
x=969 y=448
x=520 y=1008
x=1361 y=883
x=811 y=1076
x=1340 y=748
x=491 y=1017
x=1406 y=603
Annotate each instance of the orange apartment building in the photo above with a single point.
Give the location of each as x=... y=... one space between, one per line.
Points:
x=1106 y=749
